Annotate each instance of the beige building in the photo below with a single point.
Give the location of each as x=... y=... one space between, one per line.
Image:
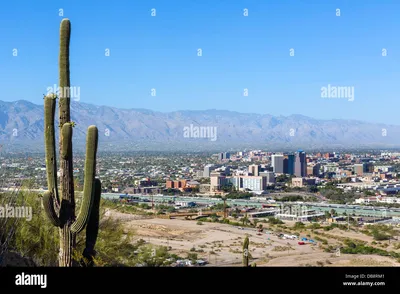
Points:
x=217 y=181
x=301 y=182
x=297 y=182
x=254 y=169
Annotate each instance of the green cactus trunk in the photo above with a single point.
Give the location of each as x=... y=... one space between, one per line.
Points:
x=61 y=212
x=246 y=252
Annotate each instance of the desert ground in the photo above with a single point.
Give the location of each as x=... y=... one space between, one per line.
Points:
x=221 y=244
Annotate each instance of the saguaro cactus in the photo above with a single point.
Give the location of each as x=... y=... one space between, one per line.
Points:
x=246 y=252
x=61 y=212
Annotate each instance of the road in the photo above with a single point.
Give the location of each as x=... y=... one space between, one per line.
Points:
x=340 y=208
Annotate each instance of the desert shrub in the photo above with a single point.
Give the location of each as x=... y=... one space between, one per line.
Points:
x=38 y=240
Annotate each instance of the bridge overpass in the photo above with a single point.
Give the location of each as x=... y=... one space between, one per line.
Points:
x=270 y=212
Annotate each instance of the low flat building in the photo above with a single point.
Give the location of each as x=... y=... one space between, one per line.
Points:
x=301 y=182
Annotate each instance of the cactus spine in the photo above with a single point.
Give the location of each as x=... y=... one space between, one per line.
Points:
x=246 y=252
x=61 y=212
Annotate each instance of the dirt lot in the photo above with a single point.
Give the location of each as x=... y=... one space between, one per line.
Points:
x=222 y=244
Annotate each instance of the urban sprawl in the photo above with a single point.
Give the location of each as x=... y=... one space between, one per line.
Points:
x=297 y=208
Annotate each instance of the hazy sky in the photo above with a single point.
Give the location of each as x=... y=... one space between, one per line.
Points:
x=238 y=52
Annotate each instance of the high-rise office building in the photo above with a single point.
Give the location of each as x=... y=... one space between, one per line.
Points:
x=358 y=169
x=224 y=155
x=270 y=176
x=217 y=181
x=361 y=168
x=313 y=169
x=288 y=164
x=300 y=164
x=291 y=160
x=277 y=163
x=254 y=169
x=368 y=167
x=208 y=169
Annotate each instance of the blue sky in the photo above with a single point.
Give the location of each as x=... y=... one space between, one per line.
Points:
x=238 y=52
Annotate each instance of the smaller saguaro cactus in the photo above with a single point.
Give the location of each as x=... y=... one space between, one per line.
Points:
x=246 y=252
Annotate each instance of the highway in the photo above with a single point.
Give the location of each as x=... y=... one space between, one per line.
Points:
x=340 y=208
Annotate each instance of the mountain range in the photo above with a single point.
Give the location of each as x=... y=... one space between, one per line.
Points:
x=22 y=126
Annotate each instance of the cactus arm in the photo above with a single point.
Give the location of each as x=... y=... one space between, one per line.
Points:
x=89 y=181
x=66 y=135
x=67 y=201
x=50 y=143
x=92 y=228
x=48 y=203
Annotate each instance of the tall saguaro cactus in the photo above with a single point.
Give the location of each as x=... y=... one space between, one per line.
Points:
x=61 y=212
x=246 y=252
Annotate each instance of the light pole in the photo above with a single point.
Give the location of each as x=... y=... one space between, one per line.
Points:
x=348 y=222
x=374 y=214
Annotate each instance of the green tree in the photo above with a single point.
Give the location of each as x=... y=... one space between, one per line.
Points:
x=312 y=189
x=327 y=214
x=281 y=178
x=244 y=220
x=299 y=225
x=255 y=221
